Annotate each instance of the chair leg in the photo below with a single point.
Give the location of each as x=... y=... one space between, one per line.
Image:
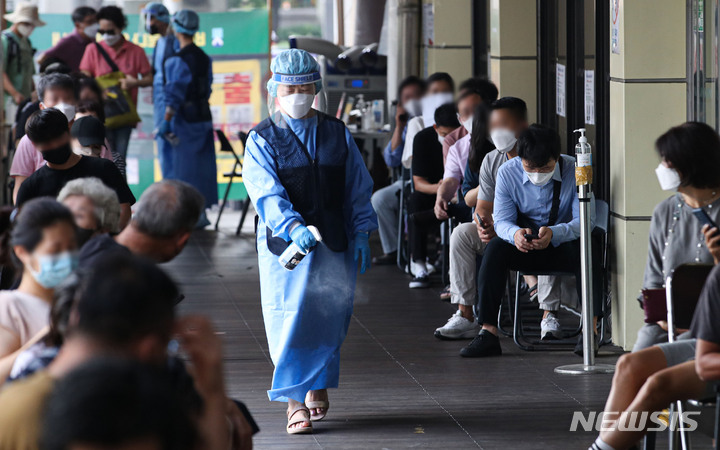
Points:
x=225 y=197
x=517 y=321
x=684 y=435
x=246 y=206
x=717 y=419
x=649 y=441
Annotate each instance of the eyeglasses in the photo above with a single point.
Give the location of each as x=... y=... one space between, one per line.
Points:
x=108 y=32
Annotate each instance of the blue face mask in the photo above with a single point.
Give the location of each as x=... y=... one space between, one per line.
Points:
x=54 y=269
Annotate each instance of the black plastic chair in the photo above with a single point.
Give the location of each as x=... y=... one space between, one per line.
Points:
x=236 y=172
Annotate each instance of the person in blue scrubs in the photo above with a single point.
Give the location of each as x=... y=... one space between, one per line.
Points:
x=303 y=168
x=157 y=21
x=188 y=80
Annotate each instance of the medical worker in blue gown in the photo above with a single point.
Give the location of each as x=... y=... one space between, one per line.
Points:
x=188 y=80
x=157 y=21
x=303 y=168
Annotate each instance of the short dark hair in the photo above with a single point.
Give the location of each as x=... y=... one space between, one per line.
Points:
x=45 y=125
x=83 y=81
x=486 y=89
x=441 y=76
x=55 y=80
x=64 y=297
x=167 y=208
x=91 y=107
x=446 y=116
x=693 y=149
x=106 y=402
x=114 y=15
x=34 y=216
x=516 y=106
x=80 y=13
x=538 y=145
x=52 y=64
x=411 y=80
x=126 y=298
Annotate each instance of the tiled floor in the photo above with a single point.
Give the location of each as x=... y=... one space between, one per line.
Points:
x=400 y=387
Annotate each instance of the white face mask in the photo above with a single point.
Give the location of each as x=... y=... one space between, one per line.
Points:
x=467 y=124
x=111 y=39
x=91 y=30
x=413 y=107
x=441 y=139
x=668 y=178
x=25 y=30
x=86 y=151
x=539 y=179
x=68 y=110
x=503 y=139
x=296 y=105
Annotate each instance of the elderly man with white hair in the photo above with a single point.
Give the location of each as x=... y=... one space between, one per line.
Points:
x=95 y=207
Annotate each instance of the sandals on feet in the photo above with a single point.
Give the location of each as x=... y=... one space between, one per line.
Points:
x=300 y=419
x=322 y=404
x=533 y=291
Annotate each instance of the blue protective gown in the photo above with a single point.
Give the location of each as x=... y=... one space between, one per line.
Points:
x=306 y=311
x=193 y=159
x=166 y=46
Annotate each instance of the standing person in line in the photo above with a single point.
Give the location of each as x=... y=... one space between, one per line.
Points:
x=303 y=168
x=128 y=57
x=17 y=56
x=70 y=49
x=188 y=83
x=157 y=21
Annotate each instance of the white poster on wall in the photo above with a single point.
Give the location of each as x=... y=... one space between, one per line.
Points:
x=428 y=24
x=590 y=97
x=560 y=90
x=615 y=33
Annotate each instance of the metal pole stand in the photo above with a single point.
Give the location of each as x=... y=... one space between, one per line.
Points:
x=588 y=366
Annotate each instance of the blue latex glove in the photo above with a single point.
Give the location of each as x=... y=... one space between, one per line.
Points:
x=164 y=128
x=362 y=250
x=303 y=238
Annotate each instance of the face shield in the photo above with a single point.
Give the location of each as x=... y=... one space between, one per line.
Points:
x=294 y=95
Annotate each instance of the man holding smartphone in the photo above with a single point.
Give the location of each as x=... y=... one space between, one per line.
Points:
x=535 y=195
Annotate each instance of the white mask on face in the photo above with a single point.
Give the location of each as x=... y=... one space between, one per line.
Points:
x=441 y=139
x=111 y=39
x=25 y=30
x=503 y=139
x=467 y=124
x=296 y=105
x=413 y=107
x=91 y=30
x=668 y=178
x=539 y=179
x=68 y=110
x=86 y=151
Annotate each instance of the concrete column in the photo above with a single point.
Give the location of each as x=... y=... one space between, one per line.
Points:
x=647 y=96
x=513 y=50
x=451 y=47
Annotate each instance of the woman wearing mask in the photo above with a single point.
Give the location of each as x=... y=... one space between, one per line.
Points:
x=95 y=207
x=302 y=168
x=44 y=243
x=129 y=58
x=690 y=159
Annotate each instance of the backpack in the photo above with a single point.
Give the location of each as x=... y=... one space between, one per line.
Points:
x=14 y=47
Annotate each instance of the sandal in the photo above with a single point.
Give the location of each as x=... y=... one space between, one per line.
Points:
x=445 y=295
x=299 y=430
x=322 y=404
x=533 y=291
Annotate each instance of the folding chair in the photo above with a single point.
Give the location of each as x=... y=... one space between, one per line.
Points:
x=236 y=171
x=682 y=290
x=602 y=224
x=403 y=258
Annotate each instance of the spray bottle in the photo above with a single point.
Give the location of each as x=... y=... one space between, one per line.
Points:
x=292 y=255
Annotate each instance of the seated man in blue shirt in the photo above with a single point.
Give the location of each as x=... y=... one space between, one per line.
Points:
x=536 y=214
x=386 y=201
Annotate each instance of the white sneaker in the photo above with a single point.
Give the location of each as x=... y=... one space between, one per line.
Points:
x=429 y=268
x=417 y=269
x=550 y=328
x=458 y=327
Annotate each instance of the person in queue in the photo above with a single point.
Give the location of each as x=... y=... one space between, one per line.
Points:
x=44 y=245
x=386 y=201
x=94 y=206
x=281 y=156
x=188 y=82
x=157 y=21
x=128 y=57
x=48 y=131
x=70 y=48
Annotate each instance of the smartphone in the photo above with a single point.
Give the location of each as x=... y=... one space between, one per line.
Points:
x=531 y=237
x=482 y=223
x=703 y=217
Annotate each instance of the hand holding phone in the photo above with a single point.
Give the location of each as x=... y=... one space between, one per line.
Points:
x=531 y=237
x=703 y=217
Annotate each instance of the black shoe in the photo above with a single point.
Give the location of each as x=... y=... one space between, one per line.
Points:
x=579 y=346
x=386 y=259
x=484 y=344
